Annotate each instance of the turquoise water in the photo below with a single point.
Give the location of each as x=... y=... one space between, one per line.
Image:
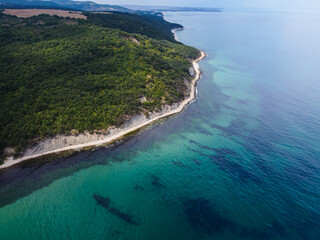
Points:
x=241 y=162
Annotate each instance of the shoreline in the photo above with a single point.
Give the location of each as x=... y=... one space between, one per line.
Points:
x=176 y=108
x=174 y=31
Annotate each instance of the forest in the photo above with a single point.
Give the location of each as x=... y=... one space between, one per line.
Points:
x=61 y=74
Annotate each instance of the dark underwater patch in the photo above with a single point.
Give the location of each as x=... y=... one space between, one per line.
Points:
x=231 y=130
x=234 y=169
x=204 y=218
x=204 y=131
x=195 y=161
x=224 y=151
x=138 y=187
x=222 y=129
x=116 y=233
x=220 y=158
x=193 y=142
x=180 y=164
x=102 y=201
x=106 y=203
x=198 y=152
x=204 y=147
x=156 y=182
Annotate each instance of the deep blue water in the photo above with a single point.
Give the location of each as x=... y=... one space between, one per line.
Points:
x=241 y=162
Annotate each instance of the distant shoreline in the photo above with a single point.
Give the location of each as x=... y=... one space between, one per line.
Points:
x=119 y=132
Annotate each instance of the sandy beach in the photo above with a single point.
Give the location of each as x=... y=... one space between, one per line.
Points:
x=174 y=31
x=120 y=132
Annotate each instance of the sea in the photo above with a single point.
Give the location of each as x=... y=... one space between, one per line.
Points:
x=241 y=162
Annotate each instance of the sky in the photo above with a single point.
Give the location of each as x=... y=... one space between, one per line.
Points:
x=309 y=5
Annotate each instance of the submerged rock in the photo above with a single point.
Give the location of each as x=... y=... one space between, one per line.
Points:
x=124 y=216
x=106 y=203
x=102 y=201
x=204 y=218
x=156 y=182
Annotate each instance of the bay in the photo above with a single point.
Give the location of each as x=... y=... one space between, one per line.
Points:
x=241 y=162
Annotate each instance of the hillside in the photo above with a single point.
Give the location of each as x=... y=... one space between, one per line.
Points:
x=153 y=26
x=61 y=74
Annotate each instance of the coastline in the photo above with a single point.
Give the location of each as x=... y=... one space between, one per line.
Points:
x=117 y=133
x=174 y=31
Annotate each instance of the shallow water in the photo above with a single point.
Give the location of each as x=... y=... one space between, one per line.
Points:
x=242 y=162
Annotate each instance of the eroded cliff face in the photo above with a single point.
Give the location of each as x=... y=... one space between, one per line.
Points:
x=75 y=138
x=63 y=141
